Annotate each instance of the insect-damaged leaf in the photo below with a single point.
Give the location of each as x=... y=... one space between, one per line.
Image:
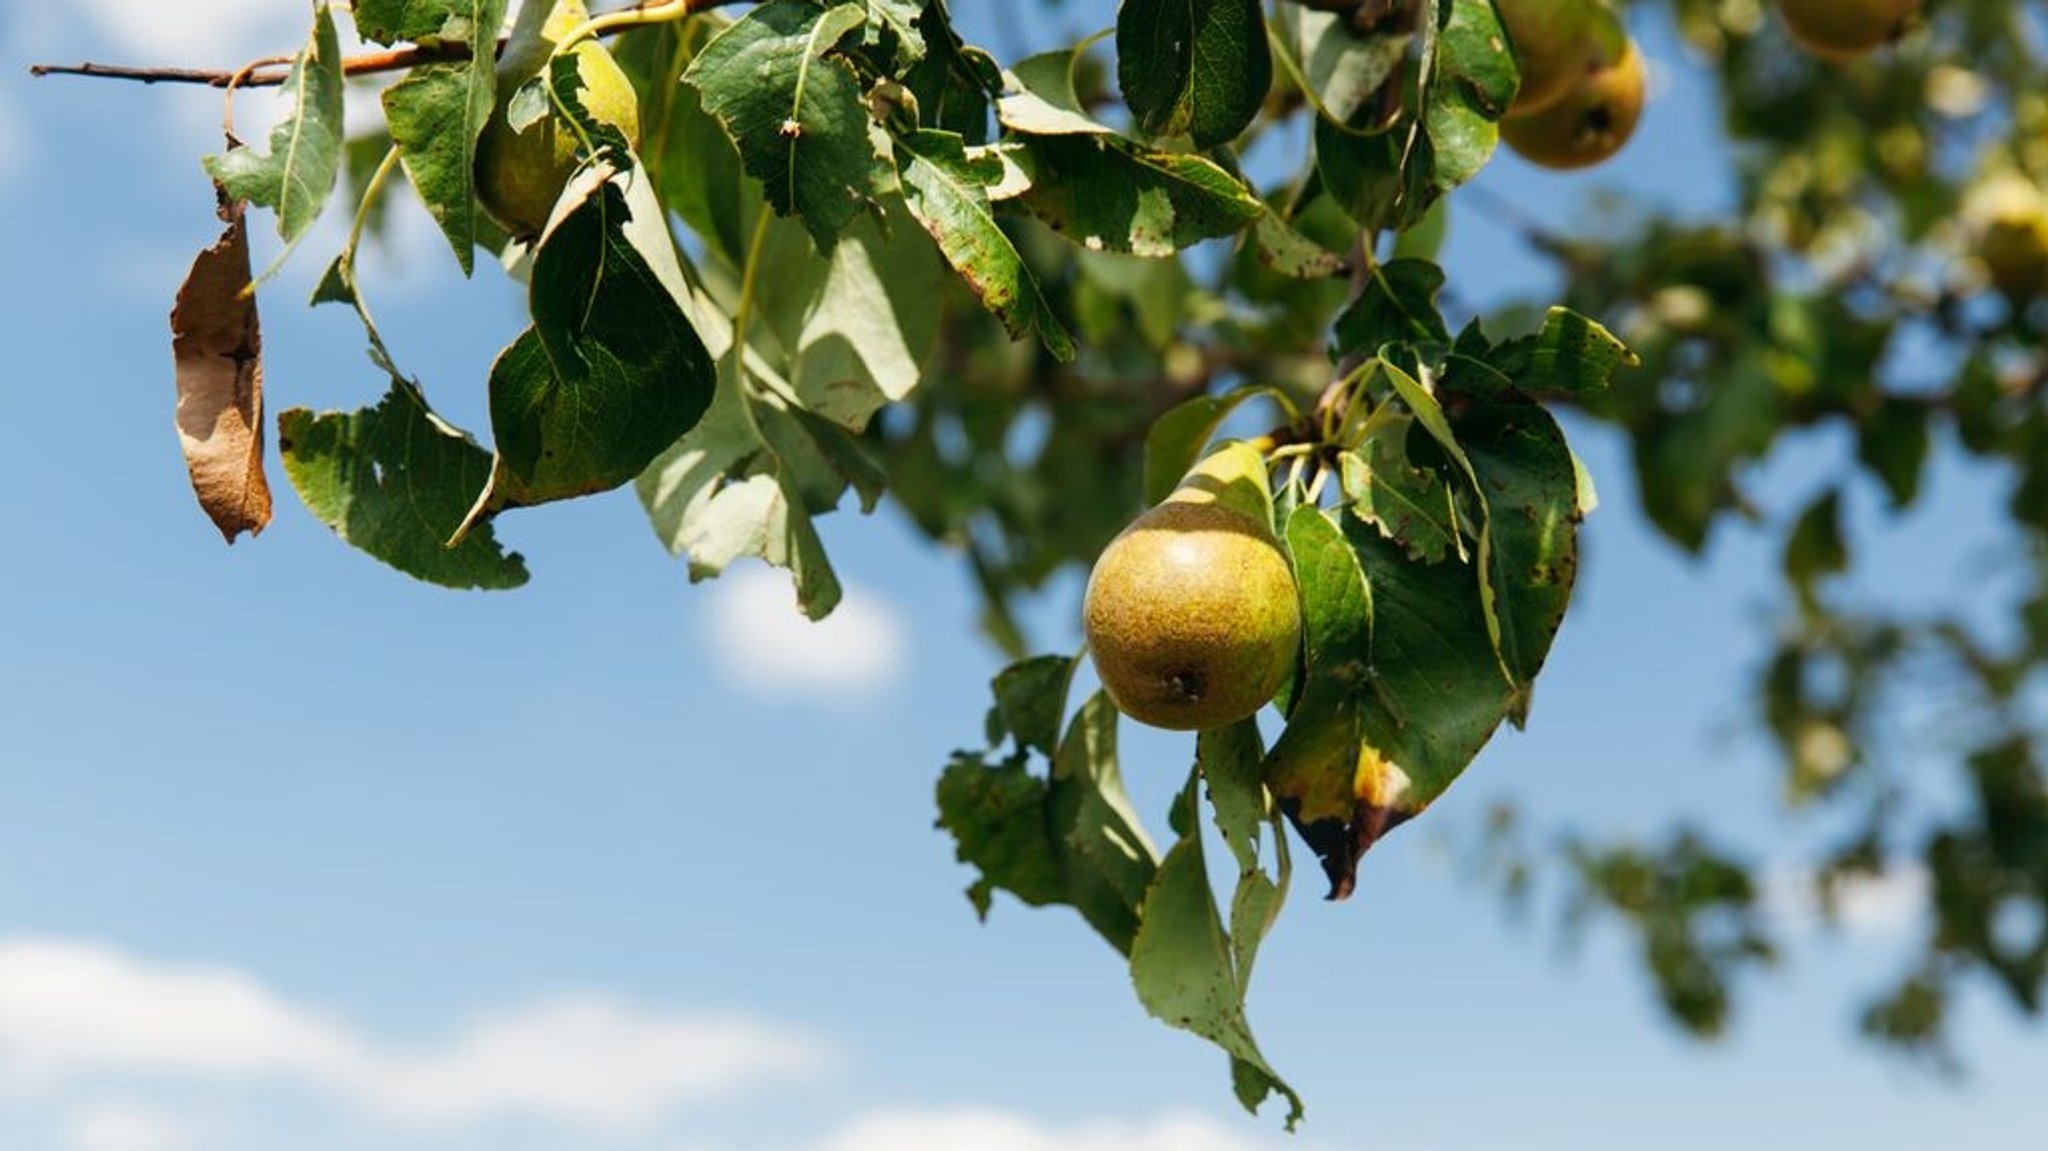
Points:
x=394 y=480
x=305 y=149
x=218 y=349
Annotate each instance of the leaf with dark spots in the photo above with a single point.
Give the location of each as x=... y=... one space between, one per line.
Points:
x=1525 y=470
x=947 y=190
x=217 y=346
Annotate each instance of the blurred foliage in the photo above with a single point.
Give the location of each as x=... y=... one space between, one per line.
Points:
x=1872 y=282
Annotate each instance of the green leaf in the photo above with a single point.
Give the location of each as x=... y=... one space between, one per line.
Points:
x=1288 y=252
x=898 y=20
x=612 y=371
x=954 y=82
x=1396 y=304
x=1387 y=176
x=1312 y=766
x=1430 y=414
x=1107 y=192
x=1338 y=69
x=850 y=331
x=1232 y=762
x=1039 y=99
x=1571 y=358
x=1471 y=86
x=1110 y=860
x=1412 y=506
x=948 y=193
x=1438 y=691
x=996 y=814
x=1031 y=696
x=1893 y=443
x=1178 y=437
x=728 y=489
x=394 y=480
x=305 y=148
x=1184 y=968
x=795 y=111
x=428 y=21
x=436 y=114
x=1071 y=838
x=1816 y=547
x=1194 y=68
x=1531 y=486
x=1378 y=178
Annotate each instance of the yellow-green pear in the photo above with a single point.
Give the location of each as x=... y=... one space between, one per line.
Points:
x=1555 y=42
x=1840 y=30
x=520 y=174
x=1591 y=123
x=1192 y=614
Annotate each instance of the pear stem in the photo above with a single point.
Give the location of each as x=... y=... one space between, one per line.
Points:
x=661 y=12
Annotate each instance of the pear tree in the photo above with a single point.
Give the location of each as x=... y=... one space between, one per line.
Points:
x=1165 y=301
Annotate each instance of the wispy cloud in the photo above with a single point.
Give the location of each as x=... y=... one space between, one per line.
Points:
x=76 y=1012
x=767 y=646
x=129 y=1127
x=195 y=33
x=982 y=1129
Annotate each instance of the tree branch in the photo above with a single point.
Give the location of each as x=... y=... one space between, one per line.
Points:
x=392 y=60
x=389 y=60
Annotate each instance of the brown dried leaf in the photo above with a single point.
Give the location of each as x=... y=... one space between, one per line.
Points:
x=218 y=347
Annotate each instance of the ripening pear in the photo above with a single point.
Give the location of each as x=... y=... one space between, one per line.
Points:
x=1840 y=30
x=1591 y=122
x=1192 y=614
x=2006 y=217
x=520 y=174
x=1555 y=42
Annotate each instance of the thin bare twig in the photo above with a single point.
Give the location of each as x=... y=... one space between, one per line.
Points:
x=263 y=75
x=388 y=61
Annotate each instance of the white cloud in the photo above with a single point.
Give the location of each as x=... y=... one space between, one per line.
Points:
x=196 y=33
x=74 y=1012
x=1884 y=904
x=766 y=644
x=128 y=1127
x=981 y=1129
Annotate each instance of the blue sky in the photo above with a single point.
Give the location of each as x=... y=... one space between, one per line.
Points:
x=296 y=852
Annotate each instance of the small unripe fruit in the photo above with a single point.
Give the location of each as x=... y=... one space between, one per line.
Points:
x=1192 y=614
x=1556 y=41
x=520 y=174
x=1841 y=30
x=1591 y=123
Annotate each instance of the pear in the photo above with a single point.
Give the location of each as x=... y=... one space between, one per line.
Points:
x=2006 y=217
x=1192 y=614
x=1555 y=42
x=520 y=174
x=1591 y=122
x=1840 y=30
